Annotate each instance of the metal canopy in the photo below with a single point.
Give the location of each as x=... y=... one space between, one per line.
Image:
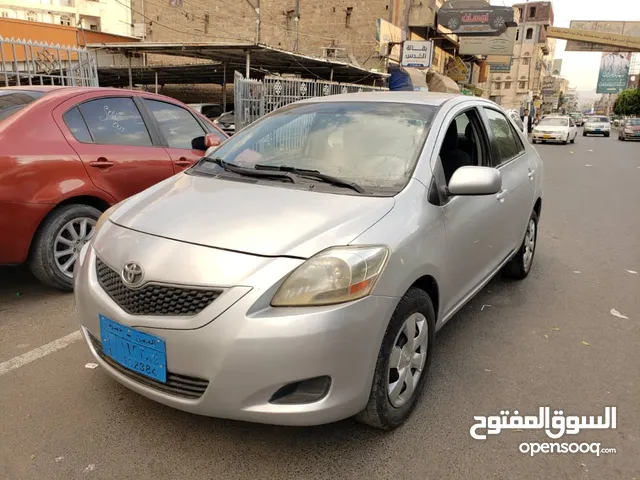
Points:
x=263 y=60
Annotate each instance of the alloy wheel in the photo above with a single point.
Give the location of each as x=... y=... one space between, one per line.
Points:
x=69 y=241
x=407 y=359
x=529 y=245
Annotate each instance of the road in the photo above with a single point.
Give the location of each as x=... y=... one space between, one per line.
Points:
x=548 y=341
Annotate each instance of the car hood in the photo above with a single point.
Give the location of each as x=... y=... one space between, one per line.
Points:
x=247 y=217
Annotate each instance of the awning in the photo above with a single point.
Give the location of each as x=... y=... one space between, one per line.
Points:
x=261 y=59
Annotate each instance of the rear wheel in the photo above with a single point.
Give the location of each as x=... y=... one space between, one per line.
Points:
x=520 y=265
x=403 y=361
x=58 y=242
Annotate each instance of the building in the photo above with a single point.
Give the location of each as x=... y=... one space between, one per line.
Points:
x=520 y=86
x=108 y=16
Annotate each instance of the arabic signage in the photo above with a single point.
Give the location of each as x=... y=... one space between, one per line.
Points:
x=481 y=20
x=389 y=39
x=614 y=72
x=601 y=31
x=498 y=45
x=500 y=67
x=417 y=53
x=457 y=70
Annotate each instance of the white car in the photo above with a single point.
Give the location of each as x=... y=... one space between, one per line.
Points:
x=598 y=125
x=559 y=129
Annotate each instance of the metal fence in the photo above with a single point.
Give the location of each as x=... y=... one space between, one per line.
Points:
x=23 y=62
x=255 y=98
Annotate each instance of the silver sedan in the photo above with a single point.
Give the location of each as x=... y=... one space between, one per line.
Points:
x=299 y=272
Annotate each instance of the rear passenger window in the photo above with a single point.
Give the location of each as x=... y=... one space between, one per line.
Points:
x=75 y=123
x=506 y=143
x=115 y=121
x=177 y=125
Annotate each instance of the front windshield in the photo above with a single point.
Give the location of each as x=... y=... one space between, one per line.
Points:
x=576 y=115
x=374 y=144
x=634 y=121
x=554 y=122
x=598 y=120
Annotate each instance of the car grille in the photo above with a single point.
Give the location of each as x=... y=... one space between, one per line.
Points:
x=178 y=385
x=153 y=299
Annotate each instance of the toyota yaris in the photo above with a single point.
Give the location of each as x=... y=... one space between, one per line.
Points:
x=298 y=273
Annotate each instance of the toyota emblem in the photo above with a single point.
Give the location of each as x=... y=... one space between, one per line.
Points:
x=132 y=274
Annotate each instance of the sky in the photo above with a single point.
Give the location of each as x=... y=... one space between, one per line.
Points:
x=581 y=68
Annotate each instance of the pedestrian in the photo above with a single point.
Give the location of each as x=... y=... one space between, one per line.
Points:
x=527 y=122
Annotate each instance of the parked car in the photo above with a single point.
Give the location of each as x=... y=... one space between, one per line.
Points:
x=558 y=129
x=597 y=124
x=630 y=130
x=227 y=122
x=68 y=153
x=577 y=118
x=297 y=275
x=209 y=110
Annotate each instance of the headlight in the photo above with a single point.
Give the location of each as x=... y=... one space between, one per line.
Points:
x=104 y=217
x=626 y=130
x=336 y=275
x=216 y=121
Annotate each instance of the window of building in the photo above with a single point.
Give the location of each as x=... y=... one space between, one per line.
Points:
x=66 y=3
x=65 y=20
x=4 y=14
x=347 y=20
x=522 y=85
x=517 y=34
x=532 y=12
x=32 y=16
x=93 y=27
x=525 y=61
x=529 y=35
x=507 y=85
x=496 y=86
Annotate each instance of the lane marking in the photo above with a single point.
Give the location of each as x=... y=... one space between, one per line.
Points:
x=35 y=354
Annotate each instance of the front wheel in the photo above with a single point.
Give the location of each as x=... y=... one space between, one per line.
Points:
x=520 y=265
x=58 y=242
x=573 y=140
x=566 y=140
x=403 y=361
x=584 y=134
x=607 y=135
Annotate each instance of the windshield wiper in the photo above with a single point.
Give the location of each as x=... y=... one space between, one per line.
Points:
x=249 y=172
x=303 y=172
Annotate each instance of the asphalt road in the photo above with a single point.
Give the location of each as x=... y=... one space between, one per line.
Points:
x=548 y=341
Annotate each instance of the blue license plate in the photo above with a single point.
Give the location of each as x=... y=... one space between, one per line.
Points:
x=637 y=134
x=597 y=129
x=138 y=351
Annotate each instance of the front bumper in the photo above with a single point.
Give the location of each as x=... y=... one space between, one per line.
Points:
x=549 y=137
x=593 y=131
x=631 y=136
x=242 y=355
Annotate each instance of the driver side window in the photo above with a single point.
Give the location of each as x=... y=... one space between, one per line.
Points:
x=462 y=144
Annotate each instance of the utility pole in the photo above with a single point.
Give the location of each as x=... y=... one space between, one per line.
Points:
x=297 y=20
x=256 y=8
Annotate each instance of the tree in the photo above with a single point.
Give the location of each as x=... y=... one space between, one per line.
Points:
x=628 y=103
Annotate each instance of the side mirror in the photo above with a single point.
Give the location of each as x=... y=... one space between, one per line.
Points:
x=211 y=140
x=475 y=181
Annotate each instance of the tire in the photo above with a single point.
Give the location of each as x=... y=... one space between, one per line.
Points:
x=566 y=140
x=518 y=268
x=573 y=140
x=42 y=261
x=607 y=135
x=534 y=141
x=584 y=134
x=380 y=412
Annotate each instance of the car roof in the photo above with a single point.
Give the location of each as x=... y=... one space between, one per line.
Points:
x=420 y=98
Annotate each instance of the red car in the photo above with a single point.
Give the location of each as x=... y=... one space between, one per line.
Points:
x=68 y=153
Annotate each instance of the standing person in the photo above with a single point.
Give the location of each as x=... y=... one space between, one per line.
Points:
x=527 y=122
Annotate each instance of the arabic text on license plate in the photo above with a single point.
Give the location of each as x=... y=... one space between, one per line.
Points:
x=140 y=352
x=547 y=136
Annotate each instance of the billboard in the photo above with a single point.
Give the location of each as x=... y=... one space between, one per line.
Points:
x=500 y=45
x=386 y=34
x=614 y=72
x=475 y=18
x=619 y=28
x=417 y=53
x=500 y=67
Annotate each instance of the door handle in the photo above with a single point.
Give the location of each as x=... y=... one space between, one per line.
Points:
x=101 y=163
x=182 y=162
x=500 y=195
x=531 y=174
